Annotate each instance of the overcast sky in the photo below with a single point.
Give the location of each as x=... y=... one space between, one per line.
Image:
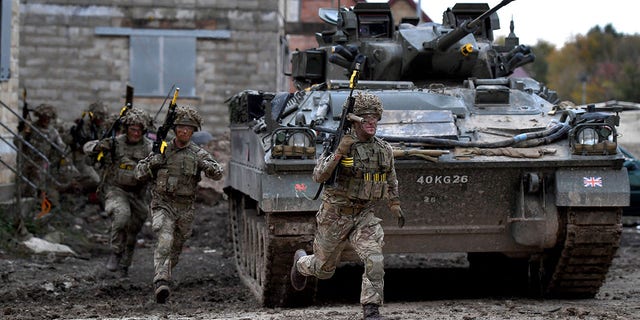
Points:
x=555 y=21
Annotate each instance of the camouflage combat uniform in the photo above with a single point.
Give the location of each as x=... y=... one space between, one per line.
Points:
x=90 y=126
x=38 y=169
x=347 y=211
x=125 y=197
x=175 y=174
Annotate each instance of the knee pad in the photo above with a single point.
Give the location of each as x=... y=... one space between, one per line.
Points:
x=374 y=267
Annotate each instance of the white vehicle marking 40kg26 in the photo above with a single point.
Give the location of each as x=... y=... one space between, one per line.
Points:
x=453 y=179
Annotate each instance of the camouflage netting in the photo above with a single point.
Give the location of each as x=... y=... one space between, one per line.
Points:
x=367 y=103
x=188 y=116
x=45 y=110
x=151 y=126
x=136 y=116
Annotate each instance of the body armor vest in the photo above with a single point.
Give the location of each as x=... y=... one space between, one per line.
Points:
x=367 y=178
x=121 y=172
x=180 y=175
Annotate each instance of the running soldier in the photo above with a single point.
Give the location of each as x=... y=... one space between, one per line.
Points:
x=367 y=174
x=175 y=174
x=34 y=167
x=124 y=196
x=89 y=127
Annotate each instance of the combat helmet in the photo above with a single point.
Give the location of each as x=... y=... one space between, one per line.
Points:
x=97 y=110
x=367 y=103
x=188 y=116
x=136 y=116
x=45 y=110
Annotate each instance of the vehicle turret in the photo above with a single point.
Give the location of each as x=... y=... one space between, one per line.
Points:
x=461 y=47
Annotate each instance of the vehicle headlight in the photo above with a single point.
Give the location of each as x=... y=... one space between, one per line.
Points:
x=593 y=139
x=299 y=140
x=588 y=136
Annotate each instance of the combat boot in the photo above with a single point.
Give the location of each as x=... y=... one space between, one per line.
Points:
x=162 y=291
x=113 y=262
x=370 y=312
x=298 y=280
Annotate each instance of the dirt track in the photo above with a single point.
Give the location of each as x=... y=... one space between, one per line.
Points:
x=207 y=287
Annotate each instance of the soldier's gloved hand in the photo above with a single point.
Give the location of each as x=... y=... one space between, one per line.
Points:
x=213 y=172
x=156 y=160
x=397 y=212
x=103 y=145
x=345 y=145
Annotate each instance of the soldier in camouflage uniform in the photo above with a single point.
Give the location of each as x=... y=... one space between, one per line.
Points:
x=36 y=170
x=175 y=174
x=367 y=174
x=124 y=196
x=89 y=127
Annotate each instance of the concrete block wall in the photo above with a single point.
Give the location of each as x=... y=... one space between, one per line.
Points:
x=63 y=62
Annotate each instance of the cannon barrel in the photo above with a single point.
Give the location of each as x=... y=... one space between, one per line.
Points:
x=447 y=40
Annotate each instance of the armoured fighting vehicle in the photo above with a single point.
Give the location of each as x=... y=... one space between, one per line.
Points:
x=490 y=165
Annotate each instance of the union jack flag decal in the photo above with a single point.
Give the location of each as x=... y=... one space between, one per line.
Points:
x=592 y=182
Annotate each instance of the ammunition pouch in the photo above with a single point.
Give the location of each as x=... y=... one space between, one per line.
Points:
x=370 y=186
x=124 y=175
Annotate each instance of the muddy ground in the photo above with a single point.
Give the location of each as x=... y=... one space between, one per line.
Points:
x=207 y=285
x=36 y=286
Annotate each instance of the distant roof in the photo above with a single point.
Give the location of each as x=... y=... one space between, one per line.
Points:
x=520 y=73
x=424 y=17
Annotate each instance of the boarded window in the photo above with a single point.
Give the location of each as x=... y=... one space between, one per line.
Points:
x=159 y=62
x=161 y=58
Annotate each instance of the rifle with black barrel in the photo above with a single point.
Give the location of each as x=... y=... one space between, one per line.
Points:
x=25 y=111
x=160 y=143
x=163 y=102
x=77 y=135
x=346 y=118
x=115 y=126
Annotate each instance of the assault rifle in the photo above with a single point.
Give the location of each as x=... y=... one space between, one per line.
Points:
x=345 y=120
x=115 y=126
x=163 y=102
x=79 y=137
x=25 y=111
x=160 y=143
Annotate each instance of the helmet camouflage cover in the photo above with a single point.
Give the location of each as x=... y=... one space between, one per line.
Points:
x=136 y=116
x=45 y=110
x=367 y=103
x=98 y=110
x=188 y=116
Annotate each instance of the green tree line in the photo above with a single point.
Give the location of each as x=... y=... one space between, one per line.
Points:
x=599 y=66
